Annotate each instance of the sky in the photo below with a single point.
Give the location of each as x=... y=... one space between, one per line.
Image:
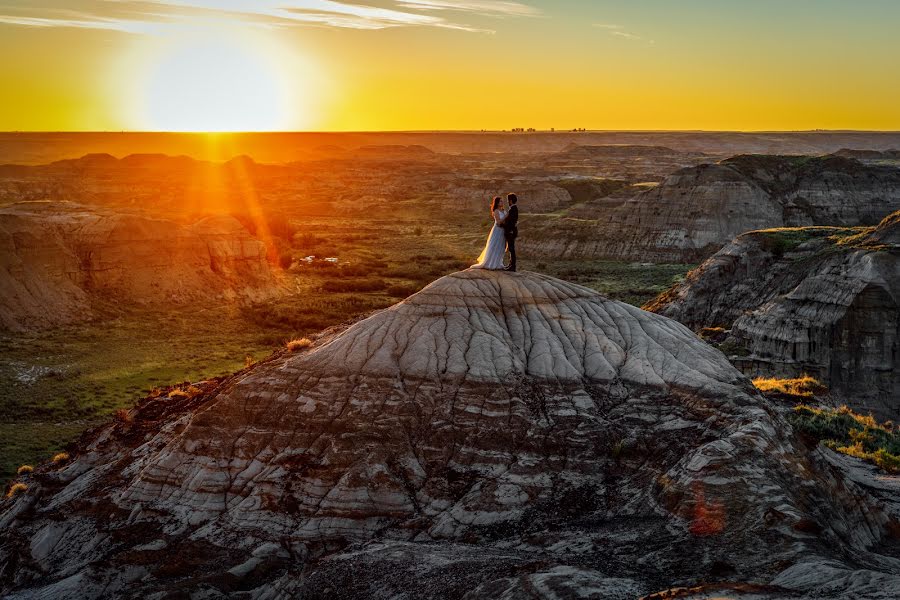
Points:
x=360 y=65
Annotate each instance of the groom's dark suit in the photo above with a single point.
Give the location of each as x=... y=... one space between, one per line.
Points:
x=511 y=229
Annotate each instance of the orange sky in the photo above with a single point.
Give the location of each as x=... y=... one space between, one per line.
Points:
x=449 y=64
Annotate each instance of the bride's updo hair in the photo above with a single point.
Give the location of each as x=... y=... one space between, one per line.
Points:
x=497 y=203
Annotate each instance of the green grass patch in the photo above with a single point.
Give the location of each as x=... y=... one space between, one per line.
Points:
x=634 y=283
x=850 y=433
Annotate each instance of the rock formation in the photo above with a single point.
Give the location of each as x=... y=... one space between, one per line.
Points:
x=697 y=210
x=493 y=436
x=821 y=301
x=57 y=260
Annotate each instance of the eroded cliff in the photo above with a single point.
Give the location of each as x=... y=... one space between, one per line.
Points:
x=495 y=435
x=820 y=301
x=58 y=261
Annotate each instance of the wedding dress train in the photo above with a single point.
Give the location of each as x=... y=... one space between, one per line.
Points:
x=492 y=256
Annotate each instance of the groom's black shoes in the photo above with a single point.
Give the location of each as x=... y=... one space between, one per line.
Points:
x=510 y=268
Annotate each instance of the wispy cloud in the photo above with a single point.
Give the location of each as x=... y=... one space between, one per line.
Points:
x=148 y=16
x=484 y=7
x=619 y=31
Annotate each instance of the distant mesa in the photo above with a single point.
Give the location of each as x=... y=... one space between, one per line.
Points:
x=816 y=300
x=394 y=151
x=578 y=151
x=59 y=260
x=491 y=435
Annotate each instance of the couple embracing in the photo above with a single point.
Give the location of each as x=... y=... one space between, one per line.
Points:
x=502 y=237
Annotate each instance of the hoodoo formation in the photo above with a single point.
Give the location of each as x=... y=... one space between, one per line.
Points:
x=816 y=300
x=495 y=435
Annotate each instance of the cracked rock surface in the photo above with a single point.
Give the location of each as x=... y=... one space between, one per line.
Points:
x=496 y=435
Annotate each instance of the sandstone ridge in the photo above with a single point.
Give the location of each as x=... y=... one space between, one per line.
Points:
x=491 y=435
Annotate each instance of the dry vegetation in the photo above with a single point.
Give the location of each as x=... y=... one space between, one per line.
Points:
x=298 y=344
x=850 y=433
x=800 y=388
x=16 y=489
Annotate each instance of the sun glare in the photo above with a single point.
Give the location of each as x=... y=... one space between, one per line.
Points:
x=214 y=84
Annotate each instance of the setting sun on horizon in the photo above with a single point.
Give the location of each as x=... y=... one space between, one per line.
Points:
x=288 y=65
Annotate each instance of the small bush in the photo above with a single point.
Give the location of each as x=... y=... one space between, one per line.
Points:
x=852 y=434
x=123 y=415
x=16 y=489
x=178 y=394
x=800 y=387
x=24 y=470
x=298 y=344
x=60 y=458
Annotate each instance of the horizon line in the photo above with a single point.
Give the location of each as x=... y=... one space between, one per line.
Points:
x=433 y=131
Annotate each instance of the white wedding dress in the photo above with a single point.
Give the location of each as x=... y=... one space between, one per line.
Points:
x=495 y=248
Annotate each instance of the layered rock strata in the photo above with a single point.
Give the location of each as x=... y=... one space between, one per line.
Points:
x=493 y=436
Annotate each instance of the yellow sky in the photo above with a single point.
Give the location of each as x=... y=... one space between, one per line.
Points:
x=449 y=64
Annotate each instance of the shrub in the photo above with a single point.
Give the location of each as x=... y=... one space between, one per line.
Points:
x=715 y=335
x=24 y=470
x=16 y=489
x=178 y=394
x=800 y=387
x=852 y=434
x=60 y=457
x=123 y=415
x=357 y=285
x=298 y=344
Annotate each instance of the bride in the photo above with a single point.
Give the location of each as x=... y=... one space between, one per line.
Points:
x=492 y=255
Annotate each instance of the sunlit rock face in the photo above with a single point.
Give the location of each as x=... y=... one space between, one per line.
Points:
x=697 y=210
x=58 y=260
x=496 y=435
x=799 y=301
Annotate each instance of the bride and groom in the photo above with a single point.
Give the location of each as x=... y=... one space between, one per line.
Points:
x=502 y=237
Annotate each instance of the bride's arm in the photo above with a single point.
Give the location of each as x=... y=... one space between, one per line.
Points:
x=497 y=218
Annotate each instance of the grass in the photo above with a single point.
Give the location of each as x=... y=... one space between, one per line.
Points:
x=800 y=388
x=850 y=433
x=781 y=240
x=634 y=283
x=57 y=383
x=298 y=344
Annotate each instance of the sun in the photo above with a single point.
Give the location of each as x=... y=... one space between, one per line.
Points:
x=214 y=84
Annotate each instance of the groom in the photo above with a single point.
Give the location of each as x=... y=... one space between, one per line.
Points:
x=510 y=228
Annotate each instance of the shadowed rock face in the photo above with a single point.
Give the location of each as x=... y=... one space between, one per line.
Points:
x=697 y=210
x=495 y=435
x=58 y=259
x=797 y=301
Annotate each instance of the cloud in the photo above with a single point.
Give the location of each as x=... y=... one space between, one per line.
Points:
x=484 y=7
x=619 y=31
x=150 y=16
